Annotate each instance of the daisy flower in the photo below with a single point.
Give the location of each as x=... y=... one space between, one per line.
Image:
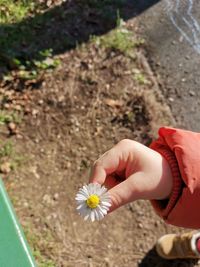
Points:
x=93 y=202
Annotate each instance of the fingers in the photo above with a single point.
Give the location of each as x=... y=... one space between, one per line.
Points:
x=127 y=191
x=112 y=161
x=111 y=170
x=104 y=166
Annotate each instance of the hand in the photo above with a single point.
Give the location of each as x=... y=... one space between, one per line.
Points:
x=133 y=171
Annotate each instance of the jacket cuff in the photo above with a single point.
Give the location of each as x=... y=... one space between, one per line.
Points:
x=164 y=207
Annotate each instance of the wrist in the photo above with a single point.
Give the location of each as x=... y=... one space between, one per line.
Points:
x=162 y=208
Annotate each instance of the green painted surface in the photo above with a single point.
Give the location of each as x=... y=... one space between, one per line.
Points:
x=14 y=250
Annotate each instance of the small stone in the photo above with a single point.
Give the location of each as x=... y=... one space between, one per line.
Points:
x=34 y=112
x=140 y=226
x=40 y=102
x=18 y=107
x=12 y=127
x=56 y=196
x=171 y=99
x=47 y=199
x=61 y=98
x=107 y=86
x=26 y=204
x=27 y=110
x=25 y=97
x=90 y=66
x=6 y=106
x=37 y=220
x=19 y=136
x=191 y=93
x=128 y=72
x=5 y=167
x=54 y=215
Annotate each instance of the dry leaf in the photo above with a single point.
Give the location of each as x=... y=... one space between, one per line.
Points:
x=113 y=103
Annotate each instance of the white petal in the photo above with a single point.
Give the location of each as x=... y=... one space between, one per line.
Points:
x=105 y=203
x=86 y=217
x=85 y=188
x=92 y=215
x=80 y=202
x=83 y=192
x=97 y=217
x=103 y=190
x=100 y=215
x=91 y=189
x=81 y=206
x=80 y=197
x=105 y=200
x=104 y=211
x=83 y=211
x=103 y=207
x=97 y=186
x=95 y=214
x=98 y=192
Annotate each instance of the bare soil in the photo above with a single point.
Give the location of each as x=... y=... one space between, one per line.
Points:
x=80 y=110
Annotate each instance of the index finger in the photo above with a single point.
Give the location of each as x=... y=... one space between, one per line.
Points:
x=114 y=160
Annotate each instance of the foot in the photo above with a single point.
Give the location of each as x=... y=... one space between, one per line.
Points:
x=180 y=246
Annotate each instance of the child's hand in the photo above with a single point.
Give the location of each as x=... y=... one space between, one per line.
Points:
x=133 y=171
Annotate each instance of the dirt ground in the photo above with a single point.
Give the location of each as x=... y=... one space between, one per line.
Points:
x=81 y=109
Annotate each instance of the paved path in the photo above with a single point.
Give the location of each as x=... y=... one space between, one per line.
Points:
x=172 y=30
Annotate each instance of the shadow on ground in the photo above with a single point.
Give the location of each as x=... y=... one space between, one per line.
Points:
x=62 y=27
x=153 y=260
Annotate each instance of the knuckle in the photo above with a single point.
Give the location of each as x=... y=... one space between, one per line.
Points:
x=116 y=200
x=126 y=142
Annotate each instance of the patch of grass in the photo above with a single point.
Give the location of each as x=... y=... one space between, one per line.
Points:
x=140 y=78
x=47 y=61
x=6 y=150
x=34 y=241
x=17 y=28
x=42 y=262
x=30 y=69
x=119 y=39
x=14 y=11
x=9 y=156
x=16 y=161
x=6 y=117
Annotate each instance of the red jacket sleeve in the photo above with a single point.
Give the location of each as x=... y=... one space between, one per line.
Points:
x=182 y=151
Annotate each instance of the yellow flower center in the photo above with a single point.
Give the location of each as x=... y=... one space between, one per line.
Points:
x=93 y=201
